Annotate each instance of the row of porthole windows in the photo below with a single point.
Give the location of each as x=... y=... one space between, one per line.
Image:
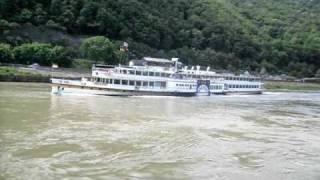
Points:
x=241 y=79
x=216 y=87
x=185 y=86
x=225 y=77
x=143 y=73
x=161 y=84
x=243 y=86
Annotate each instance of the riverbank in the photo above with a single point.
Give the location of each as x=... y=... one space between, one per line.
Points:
x=43 y=75
x=291 y=86
x=10 y=74
x=39 y=74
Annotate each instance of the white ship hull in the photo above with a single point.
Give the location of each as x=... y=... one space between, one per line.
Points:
x=62 y=87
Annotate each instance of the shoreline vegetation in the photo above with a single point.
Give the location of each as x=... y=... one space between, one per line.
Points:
x=12 y=74
x=262 y=37
x=291 y=86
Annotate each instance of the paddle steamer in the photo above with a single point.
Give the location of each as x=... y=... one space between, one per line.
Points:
x=154 y=76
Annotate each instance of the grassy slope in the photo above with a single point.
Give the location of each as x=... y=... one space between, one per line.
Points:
x=291 y=86
x=10 y=74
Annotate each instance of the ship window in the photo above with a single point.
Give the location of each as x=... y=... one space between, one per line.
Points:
x=124 y=82
x=138 y=73
x=131 y=83
x=163 y=84
x=230 y=86
x=157 y=84
x=157 y=74
x=98 y=80
x=116 y=81
x=124 y=71
x=138 y=83
x=131 y=71
x=151 y=73
x=151 y=84
x=145 y=83
x=145 y=73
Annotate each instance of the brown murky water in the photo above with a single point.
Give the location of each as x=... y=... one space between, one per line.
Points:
x=271 y=136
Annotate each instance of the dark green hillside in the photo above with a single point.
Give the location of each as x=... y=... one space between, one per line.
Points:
x=260 y=36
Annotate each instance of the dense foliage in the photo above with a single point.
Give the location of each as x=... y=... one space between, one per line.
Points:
x=100 y=49
x=270 y=36
x=43 y=54
x=6 y=55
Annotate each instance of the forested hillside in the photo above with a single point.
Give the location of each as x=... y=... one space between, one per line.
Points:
x=260 y=36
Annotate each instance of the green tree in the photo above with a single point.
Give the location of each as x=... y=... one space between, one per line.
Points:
x=6 y=53
x=99 y=49
x=44 y=54
x=40 y=14
x=317 y=74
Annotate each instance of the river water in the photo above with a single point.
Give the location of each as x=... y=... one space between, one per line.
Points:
x=270 y=136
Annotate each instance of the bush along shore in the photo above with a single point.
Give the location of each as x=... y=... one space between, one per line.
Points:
x=9 y=74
